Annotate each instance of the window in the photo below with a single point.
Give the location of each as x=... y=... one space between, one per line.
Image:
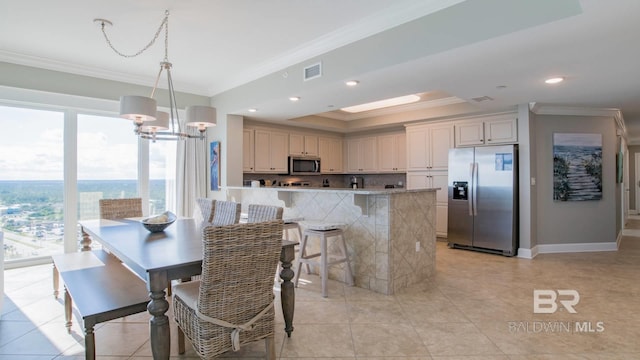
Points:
x=162 y=176
x=31 y=182
x=107 y=162
x=39 y=143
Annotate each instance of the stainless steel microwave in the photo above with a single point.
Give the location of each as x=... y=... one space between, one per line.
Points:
x=304 y=165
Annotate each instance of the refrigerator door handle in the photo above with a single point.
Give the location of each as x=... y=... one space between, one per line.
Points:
x=470 y=201
x=474 y=184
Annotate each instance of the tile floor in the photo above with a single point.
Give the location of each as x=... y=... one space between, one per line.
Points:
x=478 y=307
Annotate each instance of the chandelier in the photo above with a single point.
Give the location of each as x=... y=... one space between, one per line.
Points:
x=149 y=122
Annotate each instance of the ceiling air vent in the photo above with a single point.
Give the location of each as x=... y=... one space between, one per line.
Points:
x=312 y=71
x=482 y=98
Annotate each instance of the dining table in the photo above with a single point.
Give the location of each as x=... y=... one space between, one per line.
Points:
x=175 y=253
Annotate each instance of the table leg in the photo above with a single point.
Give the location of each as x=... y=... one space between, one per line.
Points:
x=159 y=334
x=86 y=241
x=287 y=295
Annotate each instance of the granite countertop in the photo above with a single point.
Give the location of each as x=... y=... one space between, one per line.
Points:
x=363 y=191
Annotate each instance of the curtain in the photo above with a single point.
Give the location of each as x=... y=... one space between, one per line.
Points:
x=191 y=173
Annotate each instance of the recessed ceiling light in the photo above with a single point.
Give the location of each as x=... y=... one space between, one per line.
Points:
x=401 y=100
x=352 y=82
x=294 y=98
x=253 y=110
x=554 y=80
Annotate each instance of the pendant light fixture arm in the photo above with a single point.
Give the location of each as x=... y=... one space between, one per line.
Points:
x=149 y=122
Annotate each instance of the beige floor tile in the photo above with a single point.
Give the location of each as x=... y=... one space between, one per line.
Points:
x=395 y=358
x=319 y=341
x=472 y=357
x=376 y=312
x=432 y=310
x=456 y=339
x=321 y=312
x=387 y=340
x=465 y=312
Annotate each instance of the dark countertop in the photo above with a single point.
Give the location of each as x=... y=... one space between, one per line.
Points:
x=363 y=191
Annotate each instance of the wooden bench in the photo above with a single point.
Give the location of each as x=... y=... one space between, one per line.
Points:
x=102 y=289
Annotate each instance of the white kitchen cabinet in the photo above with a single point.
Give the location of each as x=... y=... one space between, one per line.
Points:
x=392 y=153
x=304 y=145
x=433 y=179
x=330 y=151
x=271 y=151
x=362 y=155
x=501 y=129
x=428 y=146
x=247 y=150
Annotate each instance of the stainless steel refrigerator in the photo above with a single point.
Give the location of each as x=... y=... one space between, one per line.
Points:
x=483 y=199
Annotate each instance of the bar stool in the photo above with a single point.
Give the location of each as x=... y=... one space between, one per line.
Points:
x=323 y=231
x=291 y=224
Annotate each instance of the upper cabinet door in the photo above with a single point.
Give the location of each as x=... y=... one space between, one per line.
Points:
x=392 y=153
x=440 y=141
x=271 y=151
x=311 y=145
x=497 y=129
x=296 y=144
x=361 y=155
x=501 y=131
x=417 y=148
x=330 y=152
x=470 y=134
x=428 y=147
x=303 y=145
x=279 y=152
x=247 y=150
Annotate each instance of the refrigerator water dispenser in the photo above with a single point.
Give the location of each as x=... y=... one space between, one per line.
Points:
x=460 y=190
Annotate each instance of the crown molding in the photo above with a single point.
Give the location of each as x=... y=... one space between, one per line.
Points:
x=76 y=69
x=550 y=109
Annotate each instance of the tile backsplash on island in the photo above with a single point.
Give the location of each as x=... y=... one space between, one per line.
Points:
x=371 y=181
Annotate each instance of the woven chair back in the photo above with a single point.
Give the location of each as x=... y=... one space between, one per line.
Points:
x=259 y=213
x=204 y=210
x=120 y=208
x=237 y=279
x=226 y=213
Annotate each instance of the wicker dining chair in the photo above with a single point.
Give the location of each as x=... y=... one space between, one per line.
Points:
x=226 y=213
x=120 y=208
x=260 y=213
x=204 y=210
x=232 y=303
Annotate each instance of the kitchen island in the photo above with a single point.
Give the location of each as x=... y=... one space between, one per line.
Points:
x=390 y=233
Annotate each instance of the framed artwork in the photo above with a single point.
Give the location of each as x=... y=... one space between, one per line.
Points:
x=577 y=167
x=214 y=157
x=620 y=162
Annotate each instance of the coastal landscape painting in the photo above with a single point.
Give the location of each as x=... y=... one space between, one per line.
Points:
x=577 y=166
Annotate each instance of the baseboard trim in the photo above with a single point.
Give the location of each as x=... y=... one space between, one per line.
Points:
x=578 y=247
x=619 y=239
x=528 y=253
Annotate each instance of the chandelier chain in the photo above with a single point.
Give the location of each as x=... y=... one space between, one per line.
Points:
x=164 y=24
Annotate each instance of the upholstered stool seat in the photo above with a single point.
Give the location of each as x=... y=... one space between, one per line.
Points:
x=323 y=231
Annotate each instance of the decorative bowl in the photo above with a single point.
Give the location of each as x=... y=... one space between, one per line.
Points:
x=158 y=223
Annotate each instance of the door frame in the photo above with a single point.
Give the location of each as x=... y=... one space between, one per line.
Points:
x=636 y=182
